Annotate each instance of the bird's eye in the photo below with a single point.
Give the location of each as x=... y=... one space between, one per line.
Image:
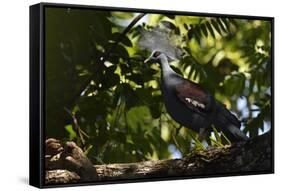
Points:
x=156 y=54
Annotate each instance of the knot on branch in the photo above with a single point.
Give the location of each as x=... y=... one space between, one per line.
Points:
x=68 y=161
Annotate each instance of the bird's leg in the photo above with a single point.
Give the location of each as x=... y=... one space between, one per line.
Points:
x=203 y=132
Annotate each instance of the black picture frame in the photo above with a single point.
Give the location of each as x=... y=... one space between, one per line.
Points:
x=37 y=91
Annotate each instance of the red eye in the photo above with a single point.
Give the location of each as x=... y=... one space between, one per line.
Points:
x=156 y=54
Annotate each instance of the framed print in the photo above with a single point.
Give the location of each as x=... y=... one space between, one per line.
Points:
x=124 y=95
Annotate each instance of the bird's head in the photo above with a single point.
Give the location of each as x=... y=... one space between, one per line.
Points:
x=155 y=57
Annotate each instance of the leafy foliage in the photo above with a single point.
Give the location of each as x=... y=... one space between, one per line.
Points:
x=120 y=108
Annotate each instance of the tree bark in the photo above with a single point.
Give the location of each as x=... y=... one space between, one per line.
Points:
x=68 y=164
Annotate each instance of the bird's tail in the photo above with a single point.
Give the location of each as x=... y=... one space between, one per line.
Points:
x=229 y=124
x=234 y=134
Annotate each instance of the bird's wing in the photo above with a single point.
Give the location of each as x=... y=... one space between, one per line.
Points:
x=193 y=96
x=231 y=118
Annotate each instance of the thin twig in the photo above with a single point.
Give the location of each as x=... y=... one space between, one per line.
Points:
x=76 y=127
x=117 y=114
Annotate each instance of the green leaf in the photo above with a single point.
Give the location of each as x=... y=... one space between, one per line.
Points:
x=122 y=15
x=190 y=34
x=121 y=50
x=234 y=84
x=170 y=16
x=185 y=26
x=215 y=24
x=228 y=142
x=196 y=73
x=155 y=108
x=210 y=29
x=198 y=145
x=218 y=138
x=130 y=95
x=226 y=23
x=219 y=21
x=197 y=35
x=72 y=133
x=192 y=70
x=204 y=29
x=233 y=21
x=137 y=78
x=168 y=25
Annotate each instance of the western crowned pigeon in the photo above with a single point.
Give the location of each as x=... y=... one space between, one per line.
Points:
x=193 y=107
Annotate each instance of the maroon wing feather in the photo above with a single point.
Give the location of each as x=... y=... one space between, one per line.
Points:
x=193 y=96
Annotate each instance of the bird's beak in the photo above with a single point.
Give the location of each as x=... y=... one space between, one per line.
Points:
x=147 y=60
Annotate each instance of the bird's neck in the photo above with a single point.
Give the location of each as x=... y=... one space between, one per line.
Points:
x=165 y=66
x=169 y=77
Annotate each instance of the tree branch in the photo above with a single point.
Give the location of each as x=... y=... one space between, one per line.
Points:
x=252 y=156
